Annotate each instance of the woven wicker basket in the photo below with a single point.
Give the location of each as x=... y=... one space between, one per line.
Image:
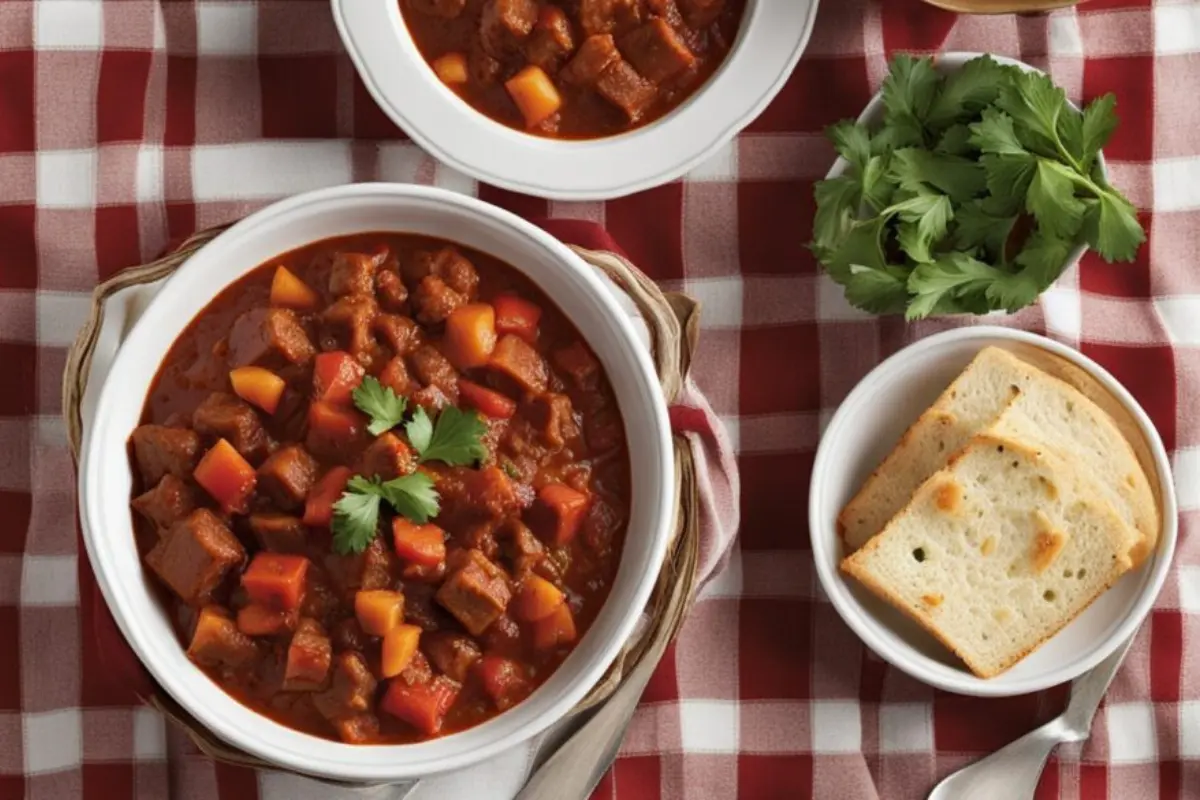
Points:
x=672 y=320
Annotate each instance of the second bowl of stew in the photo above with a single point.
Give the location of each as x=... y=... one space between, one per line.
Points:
x=574 y=99
x=383 y=515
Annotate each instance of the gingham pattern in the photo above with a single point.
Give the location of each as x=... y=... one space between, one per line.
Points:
x=126 y=123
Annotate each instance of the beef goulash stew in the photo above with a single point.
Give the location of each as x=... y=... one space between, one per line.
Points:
x=579 y=69
x=386 y=484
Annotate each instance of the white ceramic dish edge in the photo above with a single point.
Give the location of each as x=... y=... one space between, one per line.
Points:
x=773 y=37
x=860 y=610
x=104 y=473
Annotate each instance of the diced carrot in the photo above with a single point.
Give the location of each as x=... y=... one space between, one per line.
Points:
x=504 y=681
x=556 y=629
x=535 y=95
x=517 y=316
x=334 y=429
x=226 y=476
x=517 y=359
x=276 y=580
x=470 y=335
x=258 y=386
x=258 y=620
x=537 y=599
x=451 y=68
x=335 y=377
x=399 y=647
x=424 y=705
x=557 y=513
x=395 y=376
x=424 y=545
x=289 y=291
x=378 y=610
x=577 y=361
x=490 y=403
x=318 y=508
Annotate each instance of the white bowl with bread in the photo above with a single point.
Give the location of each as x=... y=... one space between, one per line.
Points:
x=992 y=512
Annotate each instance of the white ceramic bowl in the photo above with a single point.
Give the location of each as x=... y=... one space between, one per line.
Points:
x=773 y=35
x=866 y=427
x=105 y=479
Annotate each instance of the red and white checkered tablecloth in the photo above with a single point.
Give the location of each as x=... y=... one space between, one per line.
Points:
x=127 y=123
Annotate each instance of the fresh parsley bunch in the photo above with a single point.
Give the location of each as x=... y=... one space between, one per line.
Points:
x=972 y=194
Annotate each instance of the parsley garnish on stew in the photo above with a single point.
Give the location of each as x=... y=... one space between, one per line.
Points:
x=356 y=514
x=384 y=407
x=454 y=438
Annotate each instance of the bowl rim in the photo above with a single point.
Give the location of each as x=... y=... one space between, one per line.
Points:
x=271 y=741
x=836 y=586
x=772 y=38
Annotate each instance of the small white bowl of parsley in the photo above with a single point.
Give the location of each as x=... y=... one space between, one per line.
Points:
x=966 y=186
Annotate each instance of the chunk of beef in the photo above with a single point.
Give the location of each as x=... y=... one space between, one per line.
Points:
x=656 y=51
x=320 y=601
x=370 y=569
x=552 y=40
x=603 y=432
x=504 y=24
x=395 y=377
x=388 y=457
x=350 y=691
x=288 y=475
x=449 y=264
x=160 y=451
x=224 y=416
x=503 y=634
x=390 y=290
x=195 y=556
x=308 y=658
x=354 y=273
x=261 y=335
x=358 y=728
x=701 y=13
x=524 y=550
x=554 y=418
x=485 y=70
x=434 y=300
x=168 y=502
x=417 y=671
x=622 y=86
x=399 y=333
x=217 y=642
x=609 y=16
x=447 y=9
x=419 y=608
x=600 y=526
x=468 y=493
x=596 y=54
x=349 y=635
x=520 y=361
x=352 y=317
x=279 y=533
x=434 y=369
x=452 y=653
x=431 y=398
x=477 y=593
x=578 y=363
x=481 y=536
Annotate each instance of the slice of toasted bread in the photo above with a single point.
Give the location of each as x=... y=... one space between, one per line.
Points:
x=998 y=551
x=1055 y=415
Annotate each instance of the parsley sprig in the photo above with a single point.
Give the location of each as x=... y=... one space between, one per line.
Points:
x=922 y=221
x=455 y=437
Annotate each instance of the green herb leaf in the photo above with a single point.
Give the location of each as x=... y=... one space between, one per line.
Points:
x=1052 y=200
x=852 y=141
x=994 y=134
x=975 y=227
x=837 y=205
x=951 y=276
x=956 y=141
x=1034 y=103
x=413 y=496
x=1008 y=179
x=356 y=516
x=1099 y=122
x=908 y=92
x=384 y=407
x=1043 y=258
x=1111 y=228
x=456 y=438
x=960 y=178
x=925 y=219
x=877 y=190
x=966 y=92
x=878 y=291
x=860 y=247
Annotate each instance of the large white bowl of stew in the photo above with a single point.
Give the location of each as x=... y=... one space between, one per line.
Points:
x=380 y=483
x=574 y=100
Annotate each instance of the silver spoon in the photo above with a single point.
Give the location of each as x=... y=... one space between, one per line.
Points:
x=1013 y=771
